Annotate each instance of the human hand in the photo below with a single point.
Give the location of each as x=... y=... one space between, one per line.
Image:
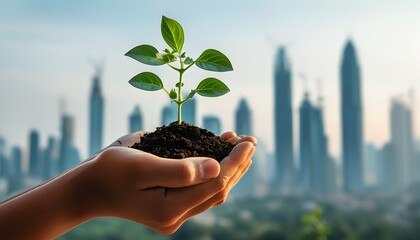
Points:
x=161 y=193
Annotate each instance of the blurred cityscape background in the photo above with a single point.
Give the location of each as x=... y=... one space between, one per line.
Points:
x=328 y=88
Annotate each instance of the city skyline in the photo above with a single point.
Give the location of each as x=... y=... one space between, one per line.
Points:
x=389 y=56
x=316 y=171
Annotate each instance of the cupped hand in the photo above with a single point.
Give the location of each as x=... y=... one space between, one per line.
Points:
x=163 y=193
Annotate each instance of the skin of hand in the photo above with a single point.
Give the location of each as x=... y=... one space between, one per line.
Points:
x=125 y=183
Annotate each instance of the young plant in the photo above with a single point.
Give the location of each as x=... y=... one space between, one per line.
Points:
x=210 y=59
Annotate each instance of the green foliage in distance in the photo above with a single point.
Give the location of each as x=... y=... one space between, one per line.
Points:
x=210 y=59
x=314 y=227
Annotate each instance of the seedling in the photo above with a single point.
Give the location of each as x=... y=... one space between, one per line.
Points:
x=210 y=59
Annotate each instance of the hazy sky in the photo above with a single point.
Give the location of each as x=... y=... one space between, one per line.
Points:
x=45 y=47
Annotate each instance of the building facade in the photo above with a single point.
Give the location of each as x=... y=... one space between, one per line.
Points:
x=96 y=116
x=283 y=122
x=351 y=120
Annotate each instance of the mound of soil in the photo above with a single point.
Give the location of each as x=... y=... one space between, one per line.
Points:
x=184 y=140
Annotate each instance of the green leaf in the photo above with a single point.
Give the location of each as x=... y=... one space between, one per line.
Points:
x=172 y=33
x=214 y=60
x=147 y=81
x=145 y=54
x=211 y=87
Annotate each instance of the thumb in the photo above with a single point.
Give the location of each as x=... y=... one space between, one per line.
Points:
x=175 y=173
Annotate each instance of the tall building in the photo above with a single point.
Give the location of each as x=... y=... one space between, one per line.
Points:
x=15 y=177
x=305 y=145
x=96 y=116
x=3 y=162
x=68 y=154
x=262 y=169
x=35 y=163
x=317 y=172
x=332 y=176
x=243 y=118
x=189 y=111
x=388 y=179
x=50 y=154
x=243 y=126
x=351 y=120
x=212 y=123
x=283 y=123
x=403 y=143
x=135 y=121
x=371 y=165
x=16 y=161
x=169 y=114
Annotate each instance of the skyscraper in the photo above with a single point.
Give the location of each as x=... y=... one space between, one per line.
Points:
x=15 y=175
x=135 y=121
x=283 y=123
x=3 y=162
x=16 y=161
x=243 y=126
x=388 y=178
x=169 y=114
x=351 y=120
x=371 y=164
x=34 y=155
x=243 y=118
x=189 y=111
x=212 y=123
x=316 y=167
x=305 y=145
x=96 y=116
x=50 y=154
x=68 y=154
x=402 y=143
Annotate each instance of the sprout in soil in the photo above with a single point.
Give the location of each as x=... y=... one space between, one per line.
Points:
x=210 y=59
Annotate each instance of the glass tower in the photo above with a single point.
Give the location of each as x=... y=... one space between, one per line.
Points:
x=34 y=154
x=351 y=120
x=283 y=124
x=96 y=116
x=136 y=120
x=243 y=126
x=212 y=123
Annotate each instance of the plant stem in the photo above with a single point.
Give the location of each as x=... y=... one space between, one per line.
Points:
x=180 y=102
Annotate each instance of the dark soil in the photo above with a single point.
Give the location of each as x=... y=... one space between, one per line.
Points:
x=182 y=141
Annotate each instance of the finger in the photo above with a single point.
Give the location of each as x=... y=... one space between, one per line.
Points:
x=222 y=196
x=251 y=139
x=187 y=198
x=215 y=200
x=227 y=135
x=176 y=173
x=233 y=140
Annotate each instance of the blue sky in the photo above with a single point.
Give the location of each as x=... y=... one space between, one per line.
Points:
x=45 y=49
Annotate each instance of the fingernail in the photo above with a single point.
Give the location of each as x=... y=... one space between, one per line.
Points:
x=209 y=169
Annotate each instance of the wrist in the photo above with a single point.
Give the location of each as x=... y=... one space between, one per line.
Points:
x=48 y=210
x=83 y=196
